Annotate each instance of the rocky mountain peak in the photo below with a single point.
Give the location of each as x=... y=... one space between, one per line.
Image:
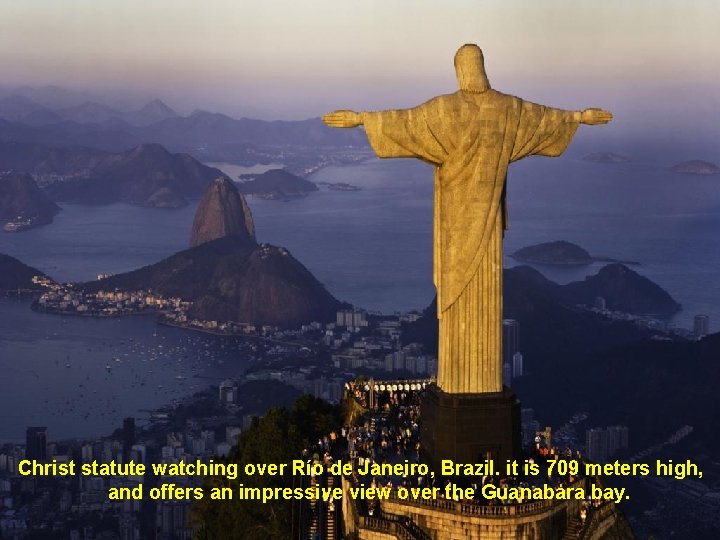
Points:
x=222 y=212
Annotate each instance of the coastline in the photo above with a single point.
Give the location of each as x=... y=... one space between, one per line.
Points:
x=35 y=306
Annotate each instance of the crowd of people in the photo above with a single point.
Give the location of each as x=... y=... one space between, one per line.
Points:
x=389 y=433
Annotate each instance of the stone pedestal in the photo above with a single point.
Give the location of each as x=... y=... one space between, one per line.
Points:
x=466 y=428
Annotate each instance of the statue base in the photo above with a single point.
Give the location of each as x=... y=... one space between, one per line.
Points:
x=469 y=428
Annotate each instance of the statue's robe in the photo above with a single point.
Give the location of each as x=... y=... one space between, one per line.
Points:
x=470 y=138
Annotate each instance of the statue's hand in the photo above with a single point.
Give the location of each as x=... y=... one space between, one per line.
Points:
x=593 y=117
x=342 y=119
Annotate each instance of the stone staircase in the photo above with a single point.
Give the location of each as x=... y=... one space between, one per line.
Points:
x=330 y=521
x=573 y=530
x=314 y=525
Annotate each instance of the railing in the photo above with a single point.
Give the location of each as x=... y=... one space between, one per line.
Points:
x=375 y=524
x=404 y=529
x=414 y=530
x=380 y=386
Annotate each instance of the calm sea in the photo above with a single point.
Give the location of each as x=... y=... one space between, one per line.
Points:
x=370 y=247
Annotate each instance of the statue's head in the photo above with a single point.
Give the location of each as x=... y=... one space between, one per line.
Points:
x=470 y=69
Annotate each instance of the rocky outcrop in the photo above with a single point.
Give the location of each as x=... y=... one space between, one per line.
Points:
x=222 y=212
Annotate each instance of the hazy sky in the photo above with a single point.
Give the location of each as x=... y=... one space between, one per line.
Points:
x=297 y=59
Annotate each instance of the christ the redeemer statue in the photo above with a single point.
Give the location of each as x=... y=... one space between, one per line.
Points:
x=470 y=137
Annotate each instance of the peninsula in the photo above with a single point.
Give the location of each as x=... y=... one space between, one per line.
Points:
x=224 y=277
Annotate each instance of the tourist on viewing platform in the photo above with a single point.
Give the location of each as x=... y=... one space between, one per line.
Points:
x=389 y=434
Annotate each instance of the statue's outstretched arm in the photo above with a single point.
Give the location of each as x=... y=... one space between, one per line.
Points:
x=343 y=119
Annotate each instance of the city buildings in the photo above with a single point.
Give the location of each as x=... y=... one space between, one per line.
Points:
x=36 y=443
x=701 y=326
x=602 y=444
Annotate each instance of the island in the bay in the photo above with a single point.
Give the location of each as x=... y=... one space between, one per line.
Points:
x=276 y=184
x=696 y=166
x=340 y=186
x=606 y=157
x=560 y=252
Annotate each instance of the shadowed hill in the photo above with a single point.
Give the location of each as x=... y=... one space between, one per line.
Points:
x=16 y=275
x=148 y=175
x=550 y=321
x=20 y=197
x=623 y=290
x=654 y=387
x=576 y=360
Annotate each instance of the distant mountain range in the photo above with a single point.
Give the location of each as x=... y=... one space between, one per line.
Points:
x=97 y=125
x=22 y=109
x=205 y=128
x=109 y=136
x=51 y=96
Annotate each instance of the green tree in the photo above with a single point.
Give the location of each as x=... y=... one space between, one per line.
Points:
x=279 y=437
